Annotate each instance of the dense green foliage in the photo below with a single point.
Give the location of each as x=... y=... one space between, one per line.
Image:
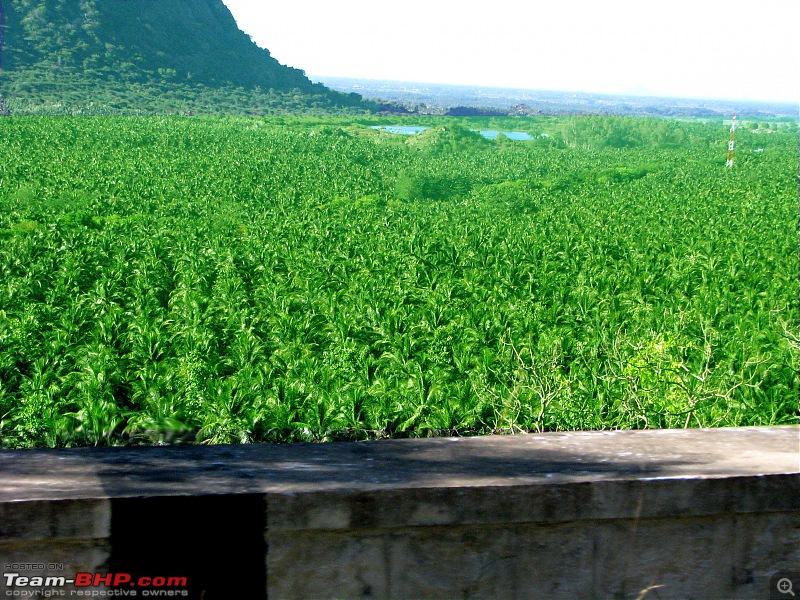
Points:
x=246 y=279
x=145 y=56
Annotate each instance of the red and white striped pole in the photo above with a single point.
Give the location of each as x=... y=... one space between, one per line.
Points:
x=729 y=162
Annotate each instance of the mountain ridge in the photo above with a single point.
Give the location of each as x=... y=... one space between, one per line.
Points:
x=93 y=50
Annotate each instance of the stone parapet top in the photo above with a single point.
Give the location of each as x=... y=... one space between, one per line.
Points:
x=392 y=465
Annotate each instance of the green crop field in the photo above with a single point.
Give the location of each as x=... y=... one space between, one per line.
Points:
x=247 y=279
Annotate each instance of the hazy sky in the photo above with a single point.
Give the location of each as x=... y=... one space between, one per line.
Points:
x=692 y=48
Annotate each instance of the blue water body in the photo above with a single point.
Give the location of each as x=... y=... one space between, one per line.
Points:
x=512 y=135
x=487 y=133
x=401 y=129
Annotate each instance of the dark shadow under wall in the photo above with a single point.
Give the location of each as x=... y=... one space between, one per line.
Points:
x=216 y=542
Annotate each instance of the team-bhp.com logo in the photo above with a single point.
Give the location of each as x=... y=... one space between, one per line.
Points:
x=89 y=584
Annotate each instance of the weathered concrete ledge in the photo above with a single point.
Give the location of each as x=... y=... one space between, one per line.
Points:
x=664 y=513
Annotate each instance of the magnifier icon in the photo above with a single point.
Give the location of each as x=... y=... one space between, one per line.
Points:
x=785 y=586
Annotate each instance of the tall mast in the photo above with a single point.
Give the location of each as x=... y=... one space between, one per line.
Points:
x=729 y=162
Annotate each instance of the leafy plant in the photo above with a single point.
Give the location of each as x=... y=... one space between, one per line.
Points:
x=224 y=280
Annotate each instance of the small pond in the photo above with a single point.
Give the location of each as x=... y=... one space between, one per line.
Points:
x=487 y=133
x=401 y=129
x=512 y=135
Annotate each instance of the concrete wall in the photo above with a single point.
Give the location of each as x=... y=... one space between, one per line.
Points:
x=646 y=514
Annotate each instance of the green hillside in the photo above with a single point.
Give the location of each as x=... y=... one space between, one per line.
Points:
x=146 y=56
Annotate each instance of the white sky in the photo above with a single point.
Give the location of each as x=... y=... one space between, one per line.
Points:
x=691 y=48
